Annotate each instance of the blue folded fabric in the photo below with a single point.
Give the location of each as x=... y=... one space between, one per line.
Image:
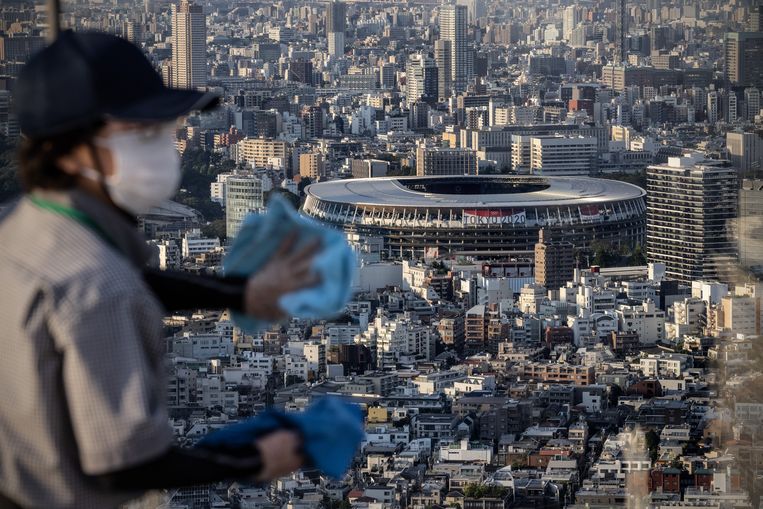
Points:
x=262 y=234
x=331 y=429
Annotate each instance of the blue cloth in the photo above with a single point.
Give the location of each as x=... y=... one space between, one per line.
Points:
x=262 y=234
x=331 y=433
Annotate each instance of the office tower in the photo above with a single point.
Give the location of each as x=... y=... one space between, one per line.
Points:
x=560 y=155
x=752 y=103
x=745 y=152
x=387 y=78
x=750 y=224
x=336 y=22
x=622 y=29
x=570 y=20
x=475 y=9
x=189 y=45
x=421 y=79
x=243 y=194
x=743 y=53
x=554 y=261
x=691 y=202
x=732 y=107
x=453 y=28
x=445 y=161
x=443 y=56
x=712 y=107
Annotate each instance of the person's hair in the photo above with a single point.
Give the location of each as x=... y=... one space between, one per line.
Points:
x=38 y=158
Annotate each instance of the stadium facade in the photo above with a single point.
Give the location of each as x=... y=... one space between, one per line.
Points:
x=481 y=216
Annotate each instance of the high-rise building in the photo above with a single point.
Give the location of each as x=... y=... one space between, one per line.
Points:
x=189 y=45
x=712 y=107
x=621 y=29
x=745 y=151
x=750 y=224
x=387 y=78
x=732 y=108
x=421 y=79
x=570 y=20
x=752 y=103
x=691 y=202
x=476 y=9
x=453 y=28
x=243 y=194
x=554 y=261
x=336 y=23
x=743 y=53
x=443 y=56
x=445 y=161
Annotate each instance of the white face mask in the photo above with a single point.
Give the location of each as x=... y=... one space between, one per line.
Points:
x=146 y=168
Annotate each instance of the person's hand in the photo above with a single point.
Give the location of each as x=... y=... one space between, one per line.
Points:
x=287 y=271
x=280 y=454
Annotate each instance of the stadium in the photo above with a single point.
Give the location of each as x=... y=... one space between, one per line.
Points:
x=480 y=216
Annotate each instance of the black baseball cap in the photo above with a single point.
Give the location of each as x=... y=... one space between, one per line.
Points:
x=84 y=78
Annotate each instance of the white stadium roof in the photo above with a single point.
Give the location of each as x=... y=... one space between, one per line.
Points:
x=544 y=191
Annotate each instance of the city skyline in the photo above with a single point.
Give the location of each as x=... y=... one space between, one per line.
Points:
x=556 y=213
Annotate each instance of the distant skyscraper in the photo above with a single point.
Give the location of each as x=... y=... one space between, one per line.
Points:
x=570 y=20
x=336 y=23
x=421 y=79
x=745 y=151
x=691 y=202
x=189 y=45
x=387 y=76
x=752 y=103
x=622 y=30
x=443 y=57
x=453 y=28
x=243 y=194
x=712 y=107
x=732 y=108
x=750 y=225
x=743 y=53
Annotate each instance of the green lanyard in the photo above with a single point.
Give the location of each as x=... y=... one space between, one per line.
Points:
x=76 y=215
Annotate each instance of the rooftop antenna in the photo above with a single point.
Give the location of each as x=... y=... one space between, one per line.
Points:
x=54 y=19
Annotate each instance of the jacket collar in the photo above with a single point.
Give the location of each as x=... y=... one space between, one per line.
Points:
x=122 y=233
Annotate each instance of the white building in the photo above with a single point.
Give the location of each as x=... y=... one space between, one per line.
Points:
x=464 y=451
x=645 y=320
x=561 y=155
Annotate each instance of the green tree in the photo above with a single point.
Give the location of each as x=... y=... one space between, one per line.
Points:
x=303 y=183
x=637 y=256
x=199 y=169
x=214 y=229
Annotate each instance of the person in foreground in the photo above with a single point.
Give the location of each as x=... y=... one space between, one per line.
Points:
x=83 y=417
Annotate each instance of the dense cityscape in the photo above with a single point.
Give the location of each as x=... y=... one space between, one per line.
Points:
x=557 y=213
